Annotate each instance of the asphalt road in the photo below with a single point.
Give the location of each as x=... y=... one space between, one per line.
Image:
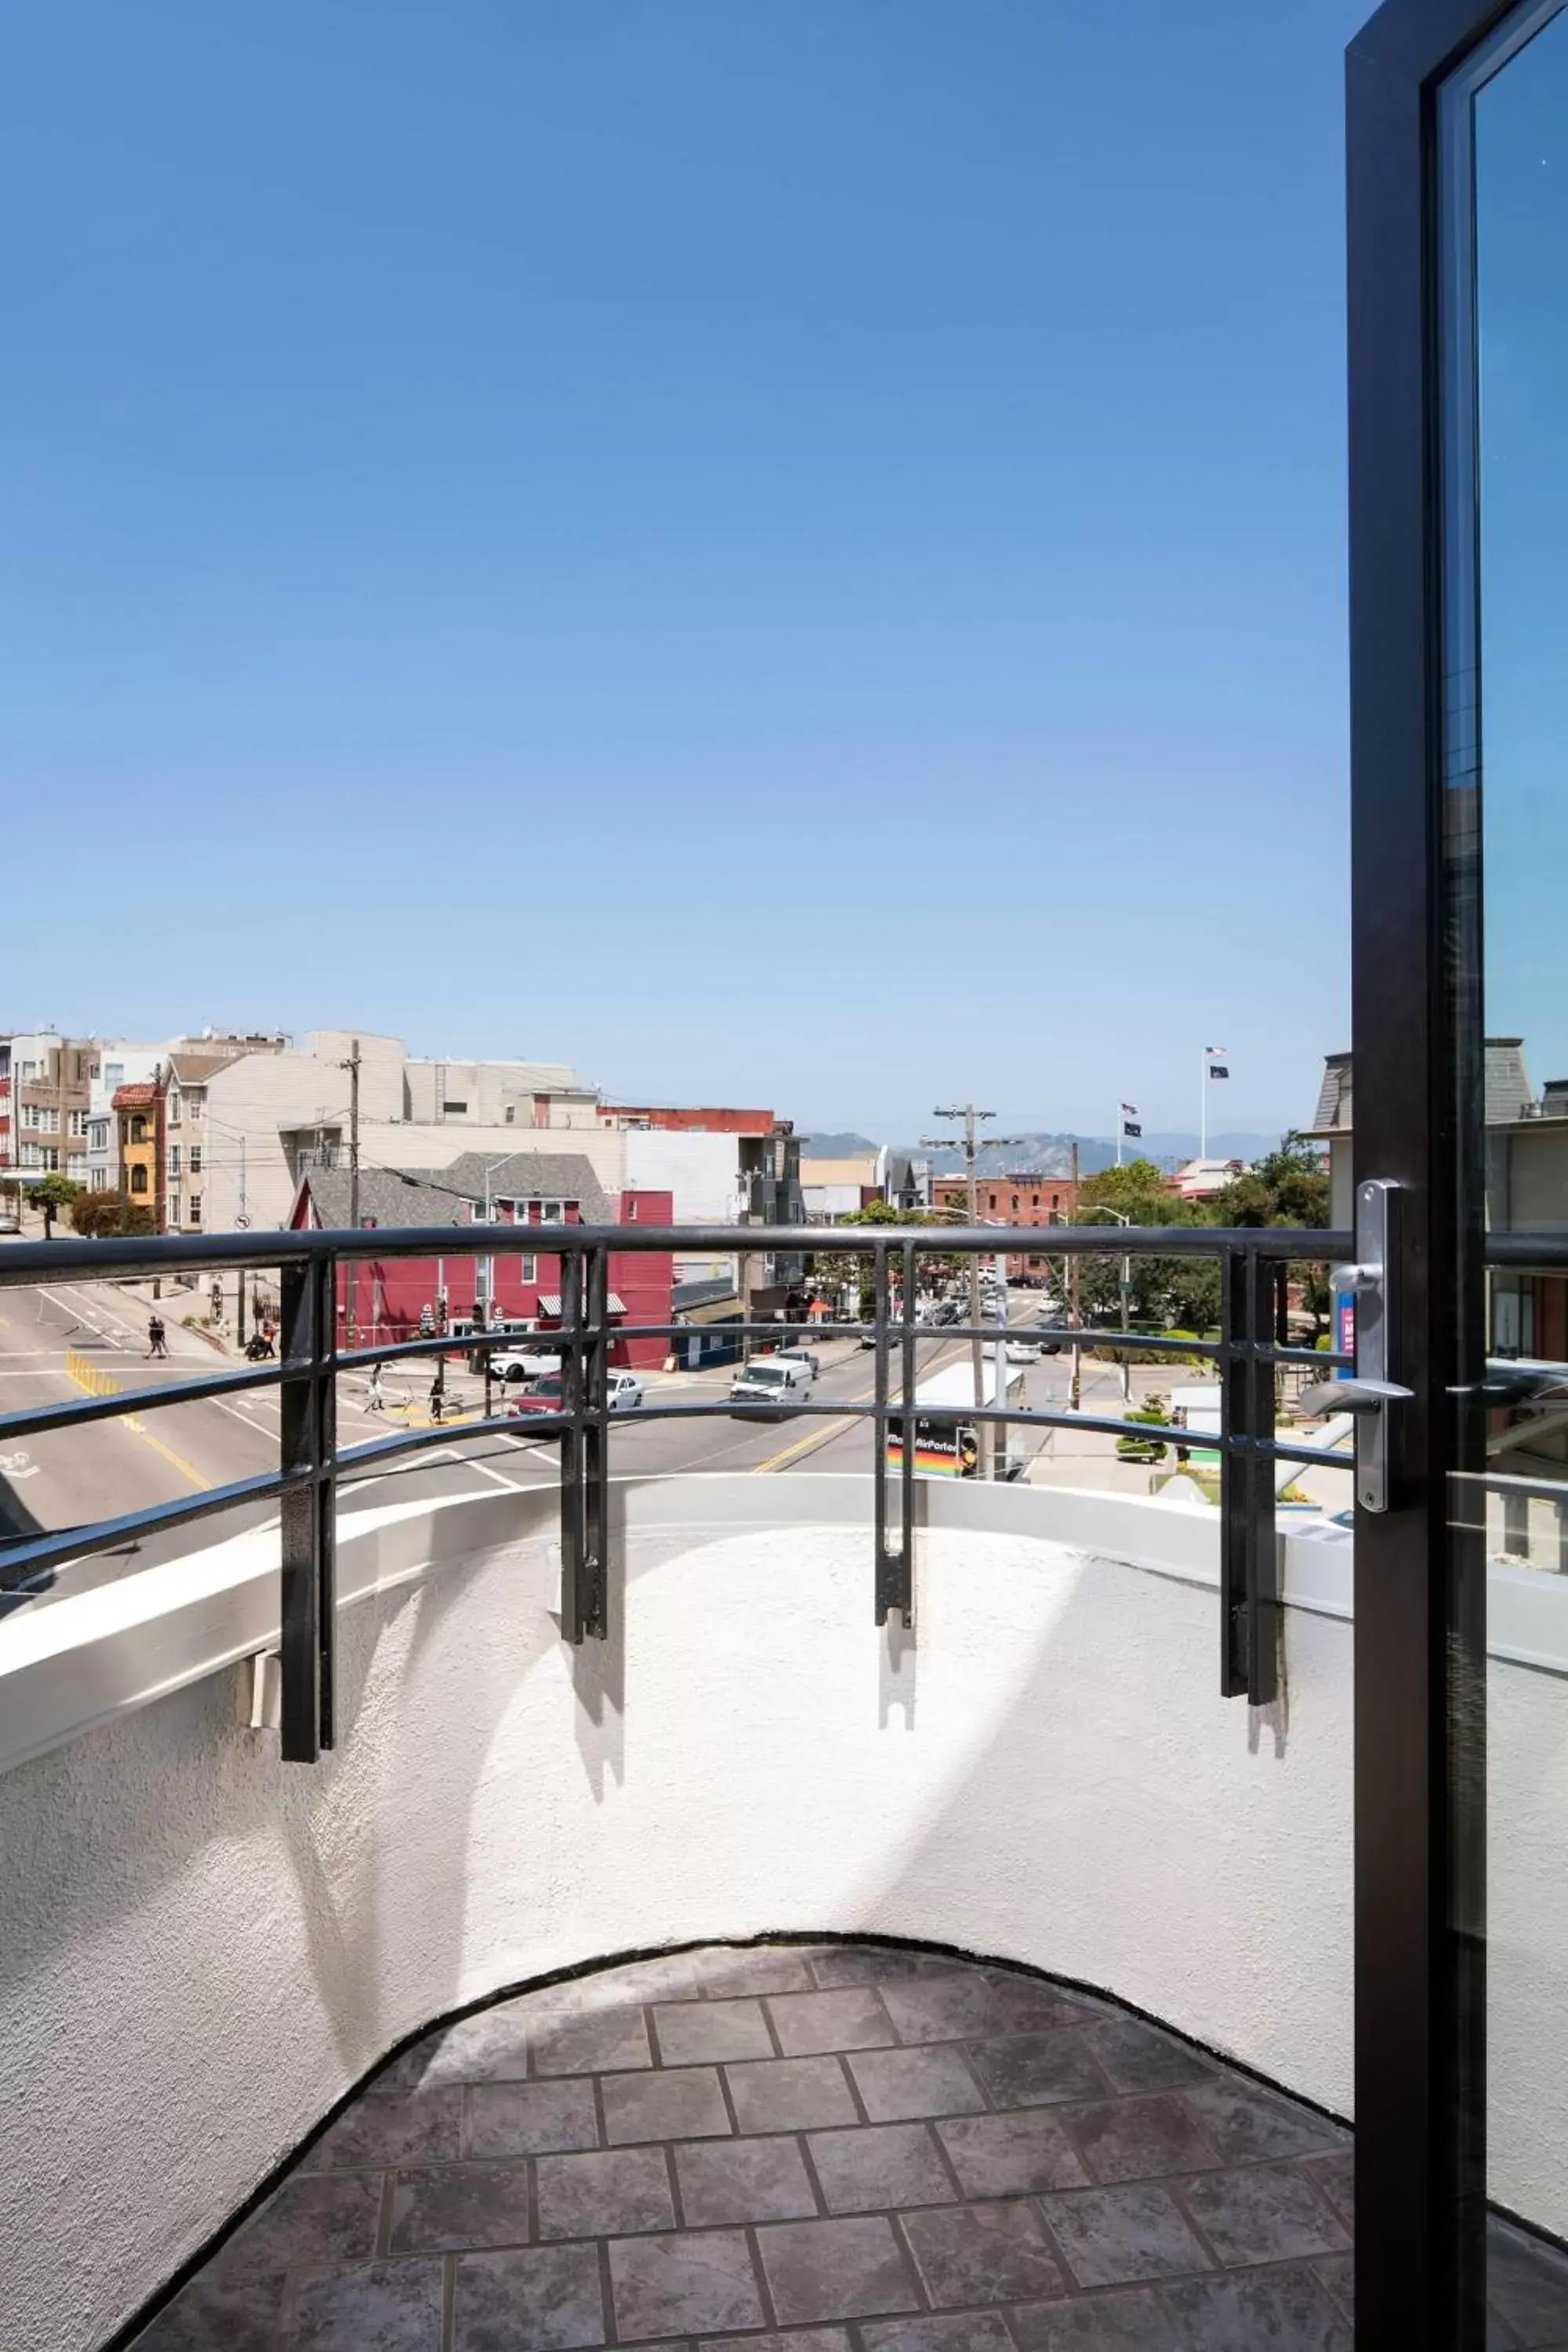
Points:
x=56 y=1339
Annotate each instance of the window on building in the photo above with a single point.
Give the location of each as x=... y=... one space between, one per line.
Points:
x=76 y=1166
x=175 y=1217
x=29 y=1115
x=196 y=1158
x=25 y=1070
x=49 y=1119
x=174 y=1158
x=1014 y=1200
x=511 y=1114
x=174 y=1107
x=32 y=1156
x=114 y=1073
x=196 y=1099
x=454 y=1110
x=76 y=1122
x=139 y=1178
x=528 y=1269
x=99 y=1179
x=195 y=1208
x=138 y=1130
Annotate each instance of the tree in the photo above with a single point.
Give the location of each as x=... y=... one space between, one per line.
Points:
x=1164 y=1290
x=52 y=1195
x=1289 y=1186
x=97 y=1214
x=835 y=1270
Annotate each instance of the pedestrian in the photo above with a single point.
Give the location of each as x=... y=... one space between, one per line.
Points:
x=155 y=1336
x=267 y=1346
x=376 y=1401
x=438 y=1398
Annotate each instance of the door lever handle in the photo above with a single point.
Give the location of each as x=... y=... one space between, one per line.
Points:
x=1328 y=1397
x=1373 y=1282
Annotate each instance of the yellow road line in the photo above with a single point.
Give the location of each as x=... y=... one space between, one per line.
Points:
x=100 y=1383
x=817 y=1436
x=185 y=1468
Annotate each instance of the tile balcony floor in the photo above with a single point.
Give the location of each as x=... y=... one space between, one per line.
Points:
x=809 y=2149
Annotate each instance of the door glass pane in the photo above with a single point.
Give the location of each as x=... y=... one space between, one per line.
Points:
x=1509 y=702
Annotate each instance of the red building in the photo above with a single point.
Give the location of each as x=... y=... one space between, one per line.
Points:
x=396 y=1297
x=1023 y=1198
x=693 y=1121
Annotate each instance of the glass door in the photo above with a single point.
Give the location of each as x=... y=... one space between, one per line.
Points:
x=1458 y=305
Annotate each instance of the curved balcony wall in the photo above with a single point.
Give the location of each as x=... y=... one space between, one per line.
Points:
x=205 y=1950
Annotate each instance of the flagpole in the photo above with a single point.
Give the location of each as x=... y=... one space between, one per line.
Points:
x=1204 y=1108
x=1119 y=1128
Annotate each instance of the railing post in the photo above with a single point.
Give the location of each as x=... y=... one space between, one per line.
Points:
x=307 y=1444
x=1248 y=1568
x=596 y=1450
x=574 y=1515
x=879 y=1429
x=895 y=1569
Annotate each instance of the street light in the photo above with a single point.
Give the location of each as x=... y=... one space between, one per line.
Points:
x=1103 y=1209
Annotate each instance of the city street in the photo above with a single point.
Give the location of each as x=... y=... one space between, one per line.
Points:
x=59 y=1340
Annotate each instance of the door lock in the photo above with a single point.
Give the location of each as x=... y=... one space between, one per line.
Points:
x=1373 y=1389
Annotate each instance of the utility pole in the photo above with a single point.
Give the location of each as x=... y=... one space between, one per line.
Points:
x=351 y=1067
x=970 y=1146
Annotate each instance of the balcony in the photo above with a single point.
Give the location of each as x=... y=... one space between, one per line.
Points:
x=980 y=1948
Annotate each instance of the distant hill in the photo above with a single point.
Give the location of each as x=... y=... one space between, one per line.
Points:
x=1050 y=1151
x=834 y=1146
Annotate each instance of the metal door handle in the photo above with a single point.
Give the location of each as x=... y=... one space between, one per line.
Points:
x=1349 y=1396
x=1375 y=1388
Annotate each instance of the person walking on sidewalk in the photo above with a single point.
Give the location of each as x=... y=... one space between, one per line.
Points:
x=156 y=1337
x=376 y=1398
x=437 y=1394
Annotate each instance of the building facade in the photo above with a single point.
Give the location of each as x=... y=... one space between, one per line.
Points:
x=387 y=1299
x=47 y=1082
x=1024 y=1197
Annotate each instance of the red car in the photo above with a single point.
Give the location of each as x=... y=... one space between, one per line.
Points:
x=540 y=1396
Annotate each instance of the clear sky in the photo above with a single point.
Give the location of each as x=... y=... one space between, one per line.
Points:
x=782 y=550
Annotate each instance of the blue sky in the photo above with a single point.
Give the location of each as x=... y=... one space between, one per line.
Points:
x=786 y=553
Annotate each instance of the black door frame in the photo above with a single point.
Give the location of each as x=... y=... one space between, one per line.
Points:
x=1420 y=1585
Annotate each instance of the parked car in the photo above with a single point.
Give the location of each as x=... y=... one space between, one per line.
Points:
x=799 y=1356
x=769 y=1382
x=511 y=1364
x=1024 y=1351
x=626 y=1392
x=8 y=1223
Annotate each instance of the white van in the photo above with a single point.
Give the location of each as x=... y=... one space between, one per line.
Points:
x=769 y=1382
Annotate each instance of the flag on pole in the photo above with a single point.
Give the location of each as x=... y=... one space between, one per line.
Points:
x=1219 y=1065
x=1130 y=1119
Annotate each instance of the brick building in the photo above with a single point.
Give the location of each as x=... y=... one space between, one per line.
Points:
x=1022 y=1197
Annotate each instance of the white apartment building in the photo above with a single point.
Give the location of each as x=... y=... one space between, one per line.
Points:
x=242 y=1126
x=122 y=1062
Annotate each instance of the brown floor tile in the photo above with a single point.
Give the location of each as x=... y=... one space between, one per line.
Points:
x=1012 y=2154
x=449 y=2205
x=851 y=2019
x=904 y=2086
x=548 y=2298
x=729 y=2180
x=835 y=2270
x=530 y=2119
x=677 y=2103
x=1140 y=2138
x=707 y=2032
x=374 y=2307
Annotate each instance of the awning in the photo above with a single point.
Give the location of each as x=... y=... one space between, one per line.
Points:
x=550 y=1303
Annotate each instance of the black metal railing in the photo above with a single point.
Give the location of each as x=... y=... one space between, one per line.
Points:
x=1252 y=1346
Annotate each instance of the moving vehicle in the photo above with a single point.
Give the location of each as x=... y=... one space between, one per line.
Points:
x=946 y=1445
x=1025 y=1351
x=798 y=1355
x=624 y=1391
x=527 y=1363
x=769 y=1382
x=546 y=1395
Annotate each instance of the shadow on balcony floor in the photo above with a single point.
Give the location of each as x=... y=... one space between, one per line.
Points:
x=883 y=2150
